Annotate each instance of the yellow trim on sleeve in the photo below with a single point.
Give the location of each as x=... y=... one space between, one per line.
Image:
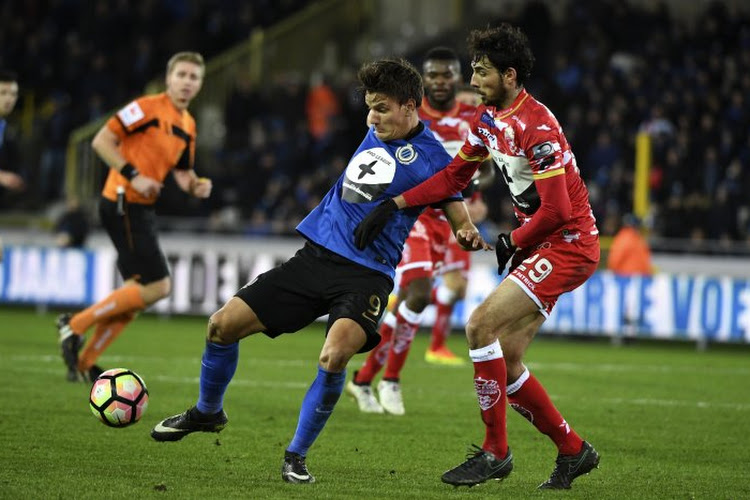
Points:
x=547 y=175
x=471 y=158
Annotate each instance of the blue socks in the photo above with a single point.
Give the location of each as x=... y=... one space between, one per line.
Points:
x=217 y=369
x=316 y=408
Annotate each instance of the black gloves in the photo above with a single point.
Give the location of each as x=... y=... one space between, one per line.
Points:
x=504 y=250
x=371 y=226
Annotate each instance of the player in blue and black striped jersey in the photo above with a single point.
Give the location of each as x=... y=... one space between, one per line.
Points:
x=333 y=273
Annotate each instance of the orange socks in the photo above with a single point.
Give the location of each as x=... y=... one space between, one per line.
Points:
x=122 y=300
x=106 y=332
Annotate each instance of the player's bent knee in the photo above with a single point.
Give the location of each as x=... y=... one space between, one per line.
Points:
x=333 y=360
x=157 y=290
x=479 y=331
x=419 y=294
x=221 y=330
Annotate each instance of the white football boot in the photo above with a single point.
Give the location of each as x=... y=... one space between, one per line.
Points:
x=390 y=397
x=364 y=397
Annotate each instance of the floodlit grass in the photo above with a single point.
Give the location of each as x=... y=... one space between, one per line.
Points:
x=668 y=421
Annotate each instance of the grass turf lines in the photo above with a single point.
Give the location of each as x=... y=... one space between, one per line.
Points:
x=668 y=421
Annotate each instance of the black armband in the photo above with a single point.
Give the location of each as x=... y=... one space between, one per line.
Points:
x=129 y=171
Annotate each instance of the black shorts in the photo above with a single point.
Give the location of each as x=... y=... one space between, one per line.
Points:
x=133 y=233
x=316 y=282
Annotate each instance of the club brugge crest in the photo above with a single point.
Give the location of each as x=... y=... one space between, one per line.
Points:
x=368 y=175
x=488 y=392
x=406 y=154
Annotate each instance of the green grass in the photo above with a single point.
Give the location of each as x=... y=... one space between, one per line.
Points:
x=668 y=421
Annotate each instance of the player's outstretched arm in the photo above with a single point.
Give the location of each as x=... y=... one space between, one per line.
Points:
x=466 y=232
x=372 y=225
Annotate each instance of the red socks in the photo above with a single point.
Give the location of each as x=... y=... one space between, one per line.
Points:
x=377 y=357
x=440 y=328
x=489 y=382
x=527 y=396
x=407 y=324
x=397 y=333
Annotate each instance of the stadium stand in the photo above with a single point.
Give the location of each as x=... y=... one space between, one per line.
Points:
x=627 y=67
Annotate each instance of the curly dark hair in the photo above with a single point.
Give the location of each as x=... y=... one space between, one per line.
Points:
x=396 y=78
x=505 y=46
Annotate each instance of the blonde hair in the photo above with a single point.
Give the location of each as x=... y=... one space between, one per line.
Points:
x=191 y=57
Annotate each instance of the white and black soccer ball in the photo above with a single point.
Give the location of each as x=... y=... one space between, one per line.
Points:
x=119 y=397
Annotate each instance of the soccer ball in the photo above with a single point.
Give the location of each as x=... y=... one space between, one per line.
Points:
x=118 y=397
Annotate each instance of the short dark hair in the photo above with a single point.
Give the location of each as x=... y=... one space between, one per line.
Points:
x=505 y=46
x=441 y=54
x=8 y=76
x=396 y=78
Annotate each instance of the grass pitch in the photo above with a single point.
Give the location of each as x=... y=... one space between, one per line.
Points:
x=668 y=421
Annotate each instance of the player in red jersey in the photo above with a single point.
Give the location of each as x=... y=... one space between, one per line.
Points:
x=555 y=249
x=448 y=117
x=429 y=248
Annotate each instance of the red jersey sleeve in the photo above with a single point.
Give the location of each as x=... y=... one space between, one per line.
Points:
x=451 y=180
x=554 y=211
x=543 y=149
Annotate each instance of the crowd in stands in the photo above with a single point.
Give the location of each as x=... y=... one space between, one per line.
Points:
x=78 y=59
x=622 y=69
x=686 y=85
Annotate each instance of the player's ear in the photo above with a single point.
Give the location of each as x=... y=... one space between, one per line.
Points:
x=411 y=107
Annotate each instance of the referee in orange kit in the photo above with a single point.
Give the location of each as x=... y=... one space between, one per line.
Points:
x=142 y=143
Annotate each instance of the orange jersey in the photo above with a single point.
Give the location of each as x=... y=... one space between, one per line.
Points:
x=629 y=253
x=155 y=137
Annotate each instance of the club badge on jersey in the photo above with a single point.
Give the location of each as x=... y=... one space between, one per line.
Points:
x=378 y=171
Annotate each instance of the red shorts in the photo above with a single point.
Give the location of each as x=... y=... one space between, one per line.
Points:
x=456 y=258
x=424 y=249
x=554 y=267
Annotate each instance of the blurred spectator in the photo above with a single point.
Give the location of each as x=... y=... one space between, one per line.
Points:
x=57 y=122
x=323 y=116
x=244 y=105
x=629 y=252
x=8 y=96
x=72 y=228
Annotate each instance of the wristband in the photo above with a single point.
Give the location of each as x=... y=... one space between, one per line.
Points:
x=129 y=171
